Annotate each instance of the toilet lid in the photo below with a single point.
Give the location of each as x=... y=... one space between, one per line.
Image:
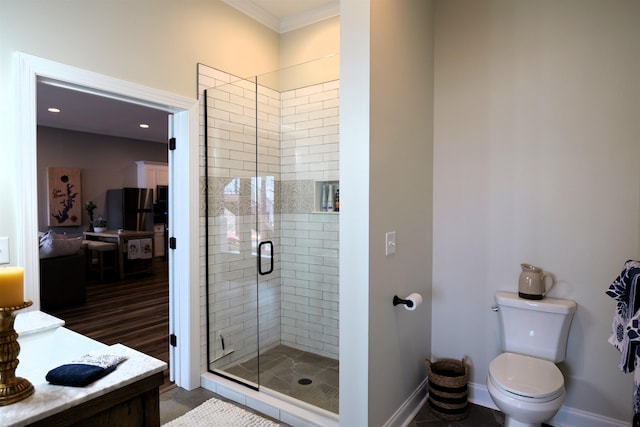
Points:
x=526 y=376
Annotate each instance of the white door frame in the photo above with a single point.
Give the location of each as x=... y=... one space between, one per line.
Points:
x=184 y=319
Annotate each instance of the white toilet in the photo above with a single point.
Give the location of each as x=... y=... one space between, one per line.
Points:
x=524 y=381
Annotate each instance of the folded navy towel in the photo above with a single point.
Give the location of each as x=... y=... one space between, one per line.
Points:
x=77 y=374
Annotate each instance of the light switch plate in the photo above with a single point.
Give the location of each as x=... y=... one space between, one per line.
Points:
x=390 y=245
x=4 y=250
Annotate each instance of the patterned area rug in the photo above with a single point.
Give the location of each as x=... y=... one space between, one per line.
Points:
x=217 y=413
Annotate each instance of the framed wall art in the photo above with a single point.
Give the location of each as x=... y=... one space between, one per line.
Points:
x=65 y=204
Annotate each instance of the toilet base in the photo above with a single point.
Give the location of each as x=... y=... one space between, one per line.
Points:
x=510 y=422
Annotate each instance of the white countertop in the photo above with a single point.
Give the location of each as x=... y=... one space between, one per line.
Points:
x=44 y=345
x=31 y=322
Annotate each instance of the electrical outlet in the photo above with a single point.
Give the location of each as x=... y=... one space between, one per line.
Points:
x=390 y=243
x=4 y=250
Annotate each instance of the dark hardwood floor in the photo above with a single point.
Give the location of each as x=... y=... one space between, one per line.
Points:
x=133 y=312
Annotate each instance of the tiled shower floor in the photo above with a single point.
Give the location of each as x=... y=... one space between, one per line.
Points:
x=287 y=371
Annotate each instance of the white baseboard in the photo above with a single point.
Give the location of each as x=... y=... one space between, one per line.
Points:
x=410 y=408
x=306 y=415
x=566 y=416
x=479 y=395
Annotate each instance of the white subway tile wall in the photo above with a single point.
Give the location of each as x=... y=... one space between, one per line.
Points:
x=298 y=137
x=309 y=245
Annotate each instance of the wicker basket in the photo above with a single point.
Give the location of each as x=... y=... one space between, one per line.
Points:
x=448 y=392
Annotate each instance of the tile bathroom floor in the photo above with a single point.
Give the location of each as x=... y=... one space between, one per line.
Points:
x=177 y=401
x=282 y=369
x=479 y=416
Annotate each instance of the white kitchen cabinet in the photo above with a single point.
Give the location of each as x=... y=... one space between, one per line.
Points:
x=158 y=240
x=145 y=174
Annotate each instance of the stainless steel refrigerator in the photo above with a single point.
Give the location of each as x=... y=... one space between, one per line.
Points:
x=130 y=209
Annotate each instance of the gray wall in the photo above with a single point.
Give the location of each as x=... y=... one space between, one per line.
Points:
x=386 y=181
x=401 y=162
x=536 y=160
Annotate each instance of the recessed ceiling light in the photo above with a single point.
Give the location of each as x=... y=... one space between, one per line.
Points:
x=53 y=110
x=144 y=126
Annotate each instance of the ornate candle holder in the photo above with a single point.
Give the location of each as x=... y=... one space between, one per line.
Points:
x=12 y=389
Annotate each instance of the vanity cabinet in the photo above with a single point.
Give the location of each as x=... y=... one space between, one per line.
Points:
x=134 y=405
x=129 y=396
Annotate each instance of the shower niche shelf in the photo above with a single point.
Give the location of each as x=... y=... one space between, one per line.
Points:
x=317 y=199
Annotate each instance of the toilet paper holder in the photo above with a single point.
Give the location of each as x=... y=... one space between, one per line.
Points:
x=397 y=300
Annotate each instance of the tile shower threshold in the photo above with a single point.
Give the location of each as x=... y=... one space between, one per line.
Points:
x=272 y=403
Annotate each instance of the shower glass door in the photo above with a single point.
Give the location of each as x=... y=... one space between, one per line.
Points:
x=243 y=295
x=272 y=276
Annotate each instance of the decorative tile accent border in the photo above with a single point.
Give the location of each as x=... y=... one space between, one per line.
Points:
x=297 y=196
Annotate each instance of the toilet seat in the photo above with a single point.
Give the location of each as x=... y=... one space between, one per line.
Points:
x=526 y=378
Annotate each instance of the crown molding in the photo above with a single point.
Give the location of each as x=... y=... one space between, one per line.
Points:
x=309 y=17
x=291 y=23
x=259 y=14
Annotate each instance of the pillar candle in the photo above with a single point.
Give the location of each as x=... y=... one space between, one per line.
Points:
x=11 y=286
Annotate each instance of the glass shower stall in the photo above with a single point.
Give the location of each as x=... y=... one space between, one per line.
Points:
x=270 y=184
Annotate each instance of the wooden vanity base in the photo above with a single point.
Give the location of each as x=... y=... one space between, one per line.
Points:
x=135 y=405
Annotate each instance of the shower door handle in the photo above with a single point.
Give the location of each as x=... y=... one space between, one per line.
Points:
x=270 y=243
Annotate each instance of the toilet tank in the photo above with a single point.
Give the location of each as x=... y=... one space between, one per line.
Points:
x=538 y=328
